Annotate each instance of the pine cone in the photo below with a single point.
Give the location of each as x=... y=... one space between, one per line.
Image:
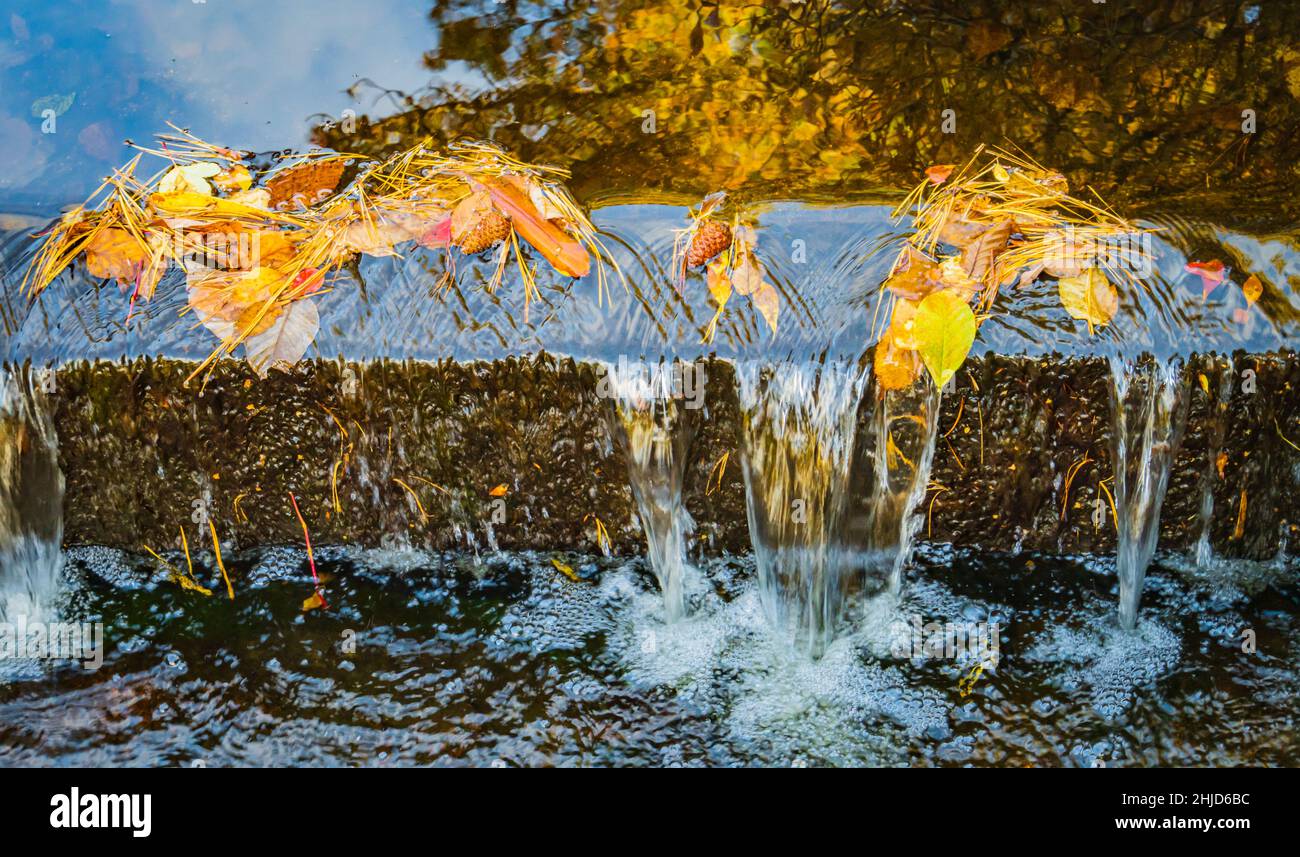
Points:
x=492 y=228
x=710 y=239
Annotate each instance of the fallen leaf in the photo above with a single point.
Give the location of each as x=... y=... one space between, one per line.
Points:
x=191 y=178
x=895 y=368
x=286 y=340
x=254 y=198
x=938 y=174
x=567 y=255
x=952 y=273
x=747 y=275
x=1211 y=274
x=915 y=275
x=468 y=212
x=719 y=281
x=182 y=204
x=565 y=570
x=438 y=235
x=1089 y=296
x=1252 y=289
x=375 y=237
x=945 y=329
x=978 y=257
x=304 y=184
x=233 y=179
x=902 y=325
x=769 y=304
x=115 y=253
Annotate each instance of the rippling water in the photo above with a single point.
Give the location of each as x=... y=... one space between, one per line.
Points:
x=501 y=660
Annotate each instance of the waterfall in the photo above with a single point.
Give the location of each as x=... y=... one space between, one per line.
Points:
x=1148 y=412
x=905 y=425
x=652 y=417
x=797 y=433
x=31 y=497
x=1221 y=386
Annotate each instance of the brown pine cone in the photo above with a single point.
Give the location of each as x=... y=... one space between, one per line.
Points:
x=492 y=228
x=710 y=239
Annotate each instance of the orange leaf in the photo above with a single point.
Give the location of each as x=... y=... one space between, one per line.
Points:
x=895 y=367
x=115 y=253
x=499 y=491
x=915 y=275
x=315 y=602
x=1252 y=289
x=567 y=255
x=938 y=174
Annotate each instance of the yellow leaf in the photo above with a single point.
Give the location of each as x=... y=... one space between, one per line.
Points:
x=945 y=329
x=747 y=275
x=233 y=180
x=1252 y=289
x=1089 y=296
x=565 y=570
x=191 y=178
x=499 y=491
x=719 y=282
x=315 y=602
x=769 y=304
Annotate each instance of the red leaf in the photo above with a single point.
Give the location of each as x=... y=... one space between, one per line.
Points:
x=1211 y=274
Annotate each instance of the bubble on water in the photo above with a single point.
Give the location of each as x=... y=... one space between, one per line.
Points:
x=843 y=708
x=1110 y=664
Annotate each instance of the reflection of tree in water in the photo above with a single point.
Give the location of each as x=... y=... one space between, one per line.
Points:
x=822 y=99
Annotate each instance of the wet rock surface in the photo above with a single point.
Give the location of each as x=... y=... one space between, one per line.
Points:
x=413 y=453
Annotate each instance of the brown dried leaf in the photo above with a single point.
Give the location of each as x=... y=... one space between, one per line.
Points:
x=304 y=184
x=978 y=256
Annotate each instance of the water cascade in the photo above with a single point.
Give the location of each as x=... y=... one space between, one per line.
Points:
x=797 y=428
x=905 y=425
x=1219 y=384
x=652 y=417
x=31 y=497
x=1148 y=412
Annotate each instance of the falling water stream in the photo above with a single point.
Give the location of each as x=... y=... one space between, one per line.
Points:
x=653 y=423
x=1219 y=387
x=31 y=499
x=905 y=425
x=798 y=424
x=1149 y=410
